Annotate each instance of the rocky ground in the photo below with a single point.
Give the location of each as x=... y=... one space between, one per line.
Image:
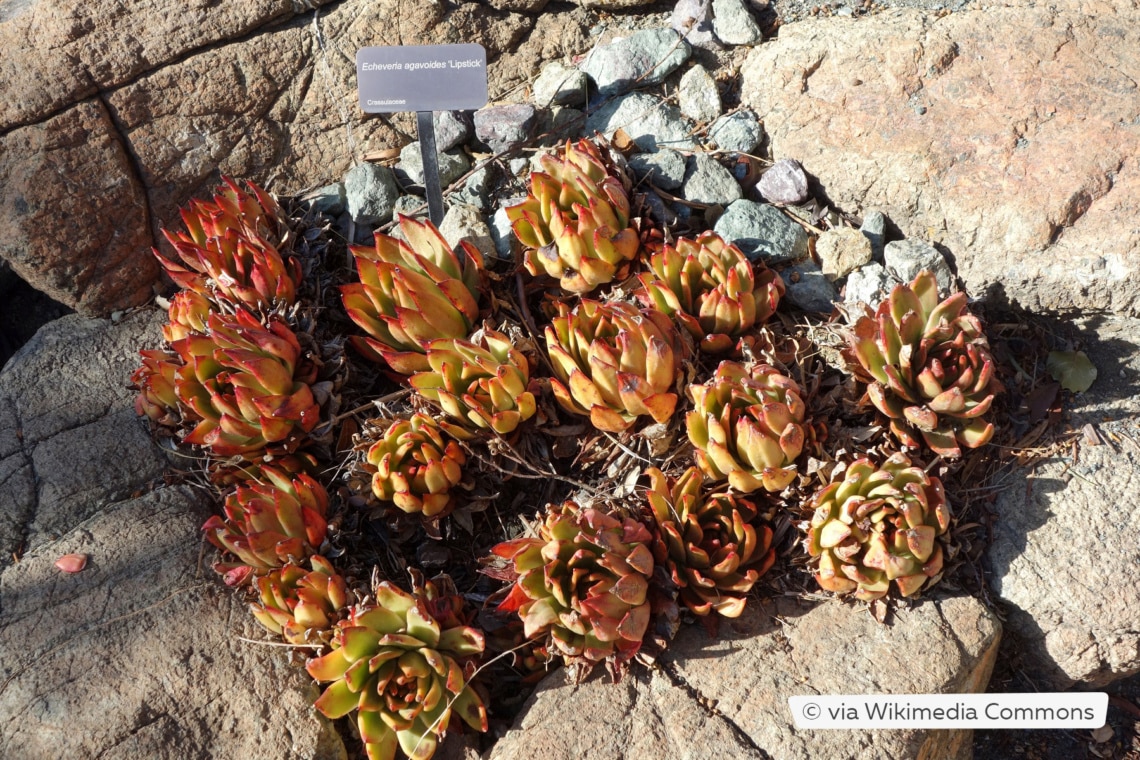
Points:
x=998 y=142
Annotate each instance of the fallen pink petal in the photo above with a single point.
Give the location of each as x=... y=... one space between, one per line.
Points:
x=72 y=563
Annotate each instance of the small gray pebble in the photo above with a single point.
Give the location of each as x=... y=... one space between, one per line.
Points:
x=697 y=95
x=904 y=259
x=559 y=84
x=643 y=59
x=452 y=164
x=665 y=168
x=733 y=24
x=762 y=233
x=808 y=289
x=370 y=193
x=693 y=18
x=463 y=222
x=648 y=121
x=502 y=127
x=410 y=205
x=501 y=233
x=452 y=128
x=875 y=228
x=740 y=132
x=329 y=199
x=869 y=284
x=706 y=181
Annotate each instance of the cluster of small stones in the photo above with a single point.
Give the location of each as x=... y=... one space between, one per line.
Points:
x=678 y=174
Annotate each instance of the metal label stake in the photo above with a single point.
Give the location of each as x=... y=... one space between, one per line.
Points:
x=430 y=156
x=424 y=79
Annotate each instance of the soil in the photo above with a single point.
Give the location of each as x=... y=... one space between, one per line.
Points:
x=23 y=310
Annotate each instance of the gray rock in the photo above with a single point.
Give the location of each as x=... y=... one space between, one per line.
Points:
x=740 y=132
x=69 y=435
x=476 y=190
x=453 y=164
x=329 y=200
x=842 y=251
x=762 y=232
x=463 y=222
x=501 y=233
x=784 y=182
x=748 y=672
x=365 y=234
x=643 y=59
x=869 y=284
x=452 y=129
x=808 y=288
x=659 y=210
x=410 y=205
x=559 y=84
x=875 y=228
x=650 y=122
x=697 y=95
x=505 y=126
x=146 y=632
x=1064 y=566
x=706 y=181
x=665 y=168
x=565 y=118
x=534 y=163
x=518 y=166
x=370 y=193
x=733 y=24
x=693 y=18
x=904 y=259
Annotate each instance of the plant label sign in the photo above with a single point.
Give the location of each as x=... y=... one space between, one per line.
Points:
x=422 y=78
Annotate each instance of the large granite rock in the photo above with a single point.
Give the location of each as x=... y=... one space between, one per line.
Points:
x=82 y=47
x=138 y=655
x=117 y=115
x=1009 y=135
x=70 y=443
x=73 y=213
x=730 y=696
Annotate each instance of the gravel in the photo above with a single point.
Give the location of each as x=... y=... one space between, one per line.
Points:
x=904 y=259
x=762 y=233
x=665 y=168
x=640 y=60
x=706 y=181
x=370 y=193
x=740 y=132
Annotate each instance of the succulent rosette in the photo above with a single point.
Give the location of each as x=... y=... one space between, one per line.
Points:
x=614 y=363
x=584 y=582
x=416 y=467
x=709 y=286
x=411 y=293
x=712 y=545
x=878 y=525
x=575 y=221
x=748 y=426
x=189 y=313
x=228 y=251
x=242 y=385
x=928 y=366
x=479 y=384
x=405 y=673
x=268 y=523
x=300 y=605
x=155 y=382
